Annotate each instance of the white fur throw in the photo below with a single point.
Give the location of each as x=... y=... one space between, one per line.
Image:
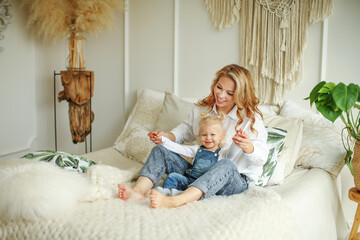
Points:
x=105 y=180
x=32 y=189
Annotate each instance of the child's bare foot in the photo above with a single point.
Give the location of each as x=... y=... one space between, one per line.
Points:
x=126 y=193
x=158 y=200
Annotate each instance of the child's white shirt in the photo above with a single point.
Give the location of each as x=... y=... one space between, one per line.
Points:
x=191 y=150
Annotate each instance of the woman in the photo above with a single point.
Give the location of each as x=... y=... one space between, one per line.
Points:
x=232 y=94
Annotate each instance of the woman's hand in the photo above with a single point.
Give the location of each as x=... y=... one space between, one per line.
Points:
x=242 y=140
x=155 y=136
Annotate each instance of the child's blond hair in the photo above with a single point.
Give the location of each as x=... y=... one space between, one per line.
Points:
x=206 y=118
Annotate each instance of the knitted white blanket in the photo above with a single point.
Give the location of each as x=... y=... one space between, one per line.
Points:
x=258 y=213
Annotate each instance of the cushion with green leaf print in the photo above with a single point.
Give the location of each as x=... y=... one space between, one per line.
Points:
x=64 y=160
x=275 y=142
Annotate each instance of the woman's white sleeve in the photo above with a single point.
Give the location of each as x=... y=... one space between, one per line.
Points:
x=232 y=152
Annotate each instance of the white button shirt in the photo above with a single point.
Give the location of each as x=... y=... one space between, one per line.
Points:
x=249 y=164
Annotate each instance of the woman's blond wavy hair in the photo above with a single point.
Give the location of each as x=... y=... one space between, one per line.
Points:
x=244 y=95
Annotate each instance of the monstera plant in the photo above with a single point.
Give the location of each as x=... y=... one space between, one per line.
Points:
x=342 y=101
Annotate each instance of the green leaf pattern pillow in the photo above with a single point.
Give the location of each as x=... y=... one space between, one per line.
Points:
x=275 y=142
x=64 y=160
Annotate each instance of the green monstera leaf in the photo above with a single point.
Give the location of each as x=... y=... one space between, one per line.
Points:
x=328 y=111
x=344 y=96
x=331 y=99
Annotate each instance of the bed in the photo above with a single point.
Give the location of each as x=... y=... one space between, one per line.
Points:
x=301 y=199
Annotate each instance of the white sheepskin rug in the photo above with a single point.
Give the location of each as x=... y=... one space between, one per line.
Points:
x=105 y=180
x=32 y=190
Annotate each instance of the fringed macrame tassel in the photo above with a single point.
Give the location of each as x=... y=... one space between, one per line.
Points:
x=284 y=22
x=224 y=13
x=320 y=9
x=283 y=25
x=283 y=46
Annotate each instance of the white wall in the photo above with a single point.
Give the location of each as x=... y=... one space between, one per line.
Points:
x=18 y=127
x=203 y=50
x=343 y=61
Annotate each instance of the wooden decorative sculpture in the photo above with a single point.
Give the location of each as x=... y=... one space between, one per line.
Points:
x=78 y=89
x=53 y=19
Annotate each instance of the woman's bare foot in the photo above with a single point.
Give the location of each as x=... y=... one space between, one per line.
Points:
x=158 y=200
x=126 y=193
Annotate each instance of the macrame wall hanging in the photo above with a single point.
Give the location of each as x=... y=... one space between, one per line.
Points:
x=272 y=39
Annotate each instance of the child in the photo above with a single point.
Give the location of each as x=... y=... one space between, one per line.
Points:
x=210 y=135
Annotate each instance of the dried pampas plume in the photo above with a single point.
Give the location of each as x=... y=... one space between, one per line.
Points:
x=54 y=19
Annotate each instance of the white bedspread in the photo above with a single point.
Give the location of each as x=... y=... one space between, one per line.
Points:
x=257 y=214
x=306 y=206
x=315 y=201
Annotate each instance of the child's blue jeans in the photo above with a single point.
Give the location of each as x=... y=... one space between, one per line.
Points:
x=221 y=179
x=177 y=181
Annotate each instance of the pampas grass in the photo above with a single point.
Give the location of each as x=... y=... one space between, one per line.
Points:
x=54 y=19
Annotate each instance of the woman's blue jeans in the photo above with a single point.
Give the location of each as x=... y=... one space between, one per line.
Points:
x=221 y=179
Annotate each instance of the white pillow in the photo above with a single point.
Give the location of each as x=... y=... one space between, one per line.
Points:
x=321 y=145
x=269 y=109
x=133 y=142
x=275 y=142
x=287 y=159
x=175 y=110
x=146 y=110
x=64 y=160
